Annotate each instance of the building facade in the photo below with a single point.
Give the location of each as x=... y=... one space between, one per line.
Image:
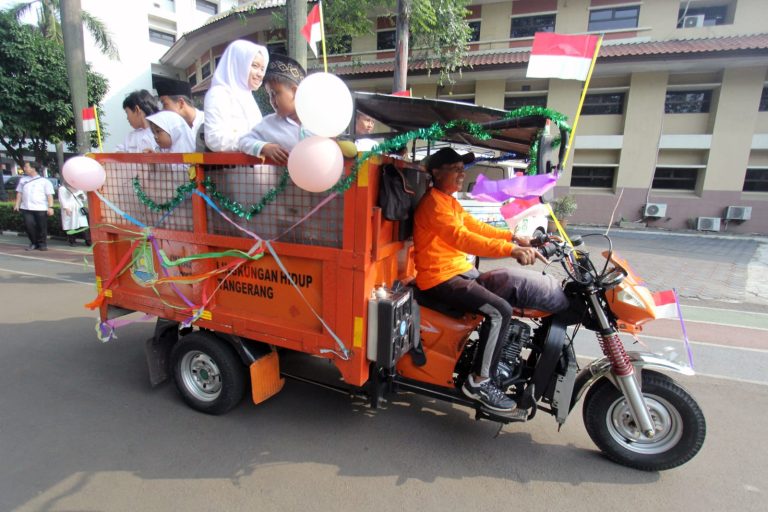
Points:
x=674 y=128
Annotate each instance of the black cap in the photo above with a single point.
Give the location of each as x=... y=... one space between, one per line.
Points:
x=447 y=156
x=285 y=67
x=168 y=87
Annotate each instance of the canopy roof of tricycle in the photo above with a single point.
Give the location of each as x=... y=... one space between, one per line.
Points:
x=404 y=114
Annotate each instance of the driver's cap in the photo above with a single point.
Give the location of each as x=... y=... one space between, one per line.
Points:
x=447 y=156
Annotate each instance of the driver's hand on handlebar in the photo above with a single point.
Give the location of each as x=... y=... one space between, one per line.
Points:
x=527 y=255
x=522 y=241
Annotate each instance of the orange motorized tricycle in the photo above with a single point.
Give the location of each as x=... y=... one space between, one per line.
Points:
x=242 y=268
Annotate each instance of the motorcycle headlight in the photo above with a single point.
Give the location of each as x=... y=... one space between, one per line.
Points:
x=629 y=296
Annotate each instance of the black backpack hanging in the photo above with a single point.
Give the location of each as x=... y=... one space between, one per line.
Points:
x=394 y=195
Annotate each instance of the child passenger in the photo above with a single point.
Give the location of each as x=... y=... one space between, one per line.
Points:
x=276 y=135
x=138 y=105
x=172 y=133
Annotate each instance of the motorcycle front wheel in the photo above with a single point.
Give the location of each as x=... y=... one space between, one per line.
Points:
x=678 y=420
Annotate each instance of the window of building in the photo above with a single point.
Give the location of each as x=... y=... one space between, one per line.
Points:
x=707 y=16
x=592 y=177
x=616 y=18
x=160 y=37
x=526 y=26
x=687 y=102
x=386 y=39
x=205 y=70
x=192 y=79
x=339 y=44
x=278 y=47
x=474 y=27
x=674 y=178
x=207 y=7
x=513 y=102
x=166 y=5
x=216 y=61
x=764 y=100
x=756 y=180
x=603 y=104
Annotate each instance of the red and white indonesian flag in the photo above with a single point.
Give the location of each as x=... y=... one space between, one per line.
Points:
x=311 y=30
x=561 y=56
x=89 y=119
x=666 y=304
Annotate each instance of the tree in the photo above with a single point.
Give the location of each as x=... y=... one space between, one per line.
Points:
x=437 y=29
x=49 y=24
x=36 y=108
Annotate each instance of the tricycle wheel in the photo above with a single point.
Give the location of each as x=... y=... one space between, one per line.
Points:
x=679 y=424
x=208 y=373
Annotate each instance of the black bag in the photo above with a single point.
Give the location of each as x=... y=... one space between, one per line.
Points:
x=83 y=211
x=394 y=195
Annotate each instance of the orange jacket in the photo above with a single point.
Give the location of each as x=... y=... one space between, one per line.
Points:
x=444 y=234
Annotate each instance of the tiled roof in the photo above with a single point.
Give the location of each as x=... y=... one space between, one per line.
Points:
x=609 y=50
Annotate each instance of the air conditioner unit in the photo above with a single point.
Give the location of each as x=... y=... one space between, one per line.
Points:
x=693 y=21
x=738 y=213
x=655 y=210
x=708 y=223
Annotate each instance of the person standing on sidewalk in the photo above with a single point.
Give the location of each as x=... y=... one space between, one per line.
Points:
x=74 y=210
x=34 y=199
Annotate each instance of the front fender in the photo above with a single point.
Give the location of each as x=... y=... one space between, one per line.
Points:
x=600 y=368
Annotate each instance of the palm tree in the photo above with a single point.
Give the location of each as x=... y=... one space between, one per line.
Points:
x=49 y=24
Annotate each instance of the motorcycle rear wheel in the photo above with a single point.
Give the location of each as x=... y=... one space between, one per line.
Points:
x=679 y=422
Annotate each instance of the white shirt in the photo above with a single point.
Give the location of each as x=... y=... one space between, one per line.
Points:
x=283 y=131
x=34 y=193
x=365 y=144
x=197 y=123
x=137 y=141
x=226 y=120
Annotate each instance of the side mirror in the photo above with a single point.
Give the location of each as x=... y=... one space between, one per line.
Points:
x=550 y=145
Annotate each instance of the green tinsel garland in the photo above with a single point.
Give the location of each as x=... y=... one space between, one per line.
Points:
x=181 y=193
x=437 y=131
x=210 y=187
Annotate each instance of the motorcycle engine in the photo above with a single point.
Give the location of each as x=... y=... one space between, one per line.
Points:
x=509 y=367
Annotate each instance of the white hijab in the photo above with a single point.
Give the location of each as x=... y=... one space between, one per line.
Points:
x=182 y=140
x=233 y=70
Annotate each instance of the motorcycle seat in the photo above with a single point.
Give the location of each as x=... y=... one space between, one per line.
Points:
x=426 y=301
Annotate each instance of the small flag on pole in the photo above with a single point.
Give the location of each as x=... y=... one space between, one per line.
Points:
x=89 y=119
x=561 y=56
x=312 y=31
x=666 y=304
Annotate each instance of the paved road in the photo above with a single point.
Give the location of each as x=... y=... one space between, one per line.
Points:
x=81 y=429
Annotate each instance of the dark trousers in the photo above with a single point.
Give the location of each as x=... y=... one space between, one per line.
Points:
x=36 y=225
x=492 y=294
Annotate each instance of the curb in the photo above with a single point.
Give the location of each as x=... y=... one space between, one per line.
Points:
x=649 y=232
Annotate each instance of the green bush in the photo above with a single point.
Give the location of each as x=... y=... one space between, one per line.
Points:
x=12 y=221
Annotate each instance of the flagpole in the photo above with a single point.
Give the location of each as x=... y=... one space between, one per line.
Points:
x=322 y=36
x=98 y=129
x=581 y=102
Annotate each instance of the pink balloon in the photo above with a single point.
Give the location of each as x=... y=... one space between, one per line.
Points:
x=84 y=173
x=315 y=164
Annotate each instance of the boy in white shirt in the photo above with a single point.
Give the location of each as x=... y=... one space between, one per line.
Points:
x=276 y=135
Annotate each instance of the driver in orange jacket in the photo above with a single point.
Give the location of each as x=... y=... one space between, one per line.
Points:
x=443 y=236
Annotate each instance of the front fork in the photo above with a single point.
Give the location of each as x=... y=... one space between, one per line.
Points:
x=622 y=369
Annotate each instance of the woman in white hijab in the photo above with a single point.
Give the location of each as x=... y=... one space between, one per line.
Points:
x=230 y=109
x=172 y=133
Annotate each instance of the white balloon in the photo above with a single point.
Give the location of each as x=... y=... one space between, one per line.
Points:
x=316 y=164
x=324 y=104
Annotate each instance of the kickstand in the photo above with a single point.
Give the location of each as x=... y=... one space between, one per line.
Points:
x=498 y=432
